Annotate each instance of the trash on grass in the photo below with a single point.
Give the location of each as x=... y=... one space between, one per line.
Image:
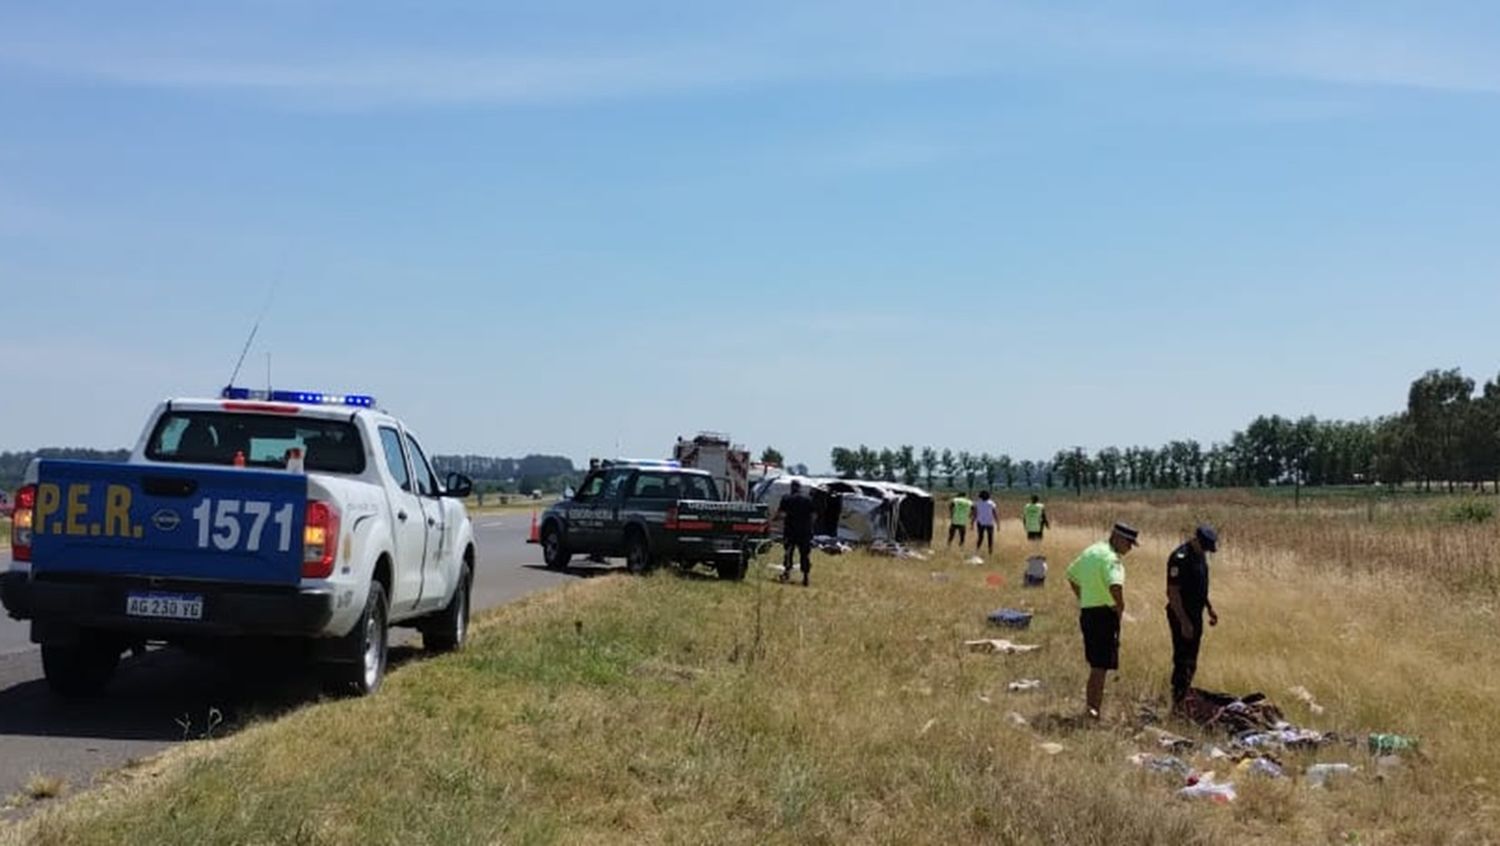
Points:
x=1001 y=646
x=1319 y=775
x=974 y=559
x=1389 y=744
x=1305 y=697
x=1167 y=764
x=1051 y=748
x=1036 y=571
x=1206 y=788
x=1009 y=618
x=1260 y=767
x=1167 y=740
x=1015 y=719
x=1023 y=685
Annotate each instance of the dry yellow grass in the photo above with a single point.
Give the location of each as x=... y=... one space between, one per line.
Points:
x=673 y=710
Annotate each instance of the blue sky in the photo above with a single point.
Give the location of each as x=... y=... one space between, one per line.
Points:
x=563 y=226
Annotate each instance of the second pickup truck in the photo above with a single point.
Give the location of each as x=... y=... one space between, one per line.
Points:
x=651 y=515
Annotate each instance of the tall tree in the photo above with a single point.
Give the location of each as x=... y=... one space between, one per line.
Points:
x=950 y=466
x=845 y=462
x=929 y=464
x=1008 y=470
x=990 y=466
x=906 y=460
x=1028 y=472
x=970 y=467
x=1437 y=404
x=771 y=455
x=869 y=462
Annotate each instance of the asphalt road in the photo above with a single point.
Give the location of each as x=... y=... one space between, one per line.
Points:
x=166 y=697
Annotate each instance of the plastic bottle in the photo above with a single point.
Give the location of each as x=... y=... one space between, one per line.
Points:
x=1388 y=744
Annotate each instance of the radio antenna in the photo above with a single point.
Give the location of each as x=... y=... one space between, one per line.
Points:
x=254 y=328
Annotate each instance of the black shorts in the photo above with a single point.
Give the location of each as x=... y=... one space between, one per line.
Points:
x=1101 y=637
x=1033 y=535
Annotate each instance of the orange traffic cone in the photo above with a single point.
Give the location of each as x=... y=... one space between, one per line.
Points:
x=536 y=535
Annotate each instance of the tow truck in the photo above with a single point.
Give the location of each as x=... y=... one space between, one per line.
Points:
x=256 y=518
x=652 y=512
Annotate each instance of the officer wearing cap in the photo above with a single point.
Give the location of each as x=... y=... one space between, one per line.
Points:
x=1098 y=580
x=1187 y=599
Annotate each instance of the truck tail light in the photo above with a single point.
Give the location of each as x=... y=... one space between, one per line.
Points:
x=320 y=540
x=671 y=524
x=20 y=523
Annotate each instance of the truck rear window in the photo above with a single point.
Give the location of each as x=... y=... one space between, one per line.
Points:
x=213 y=437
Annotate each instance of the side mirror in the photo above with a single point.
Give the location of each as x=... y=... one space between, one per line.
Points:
x=458 y=486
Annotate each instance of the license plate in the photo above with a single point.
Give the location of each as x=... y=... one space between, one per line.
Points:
x=172 y=606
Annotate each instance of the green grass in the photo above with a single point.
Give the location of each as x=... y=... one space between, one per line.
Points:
x=685 y=710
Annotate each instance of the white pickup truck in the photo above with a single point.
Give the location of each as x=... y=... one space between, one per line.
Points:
x=211 y=536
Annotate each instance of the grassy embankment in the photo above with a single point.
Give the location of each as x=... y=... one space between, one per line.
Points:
x=668 y=709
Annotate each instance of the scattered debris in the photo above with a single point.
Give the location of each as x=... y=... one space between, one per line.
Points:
x=892 y=549
x=1051 y=748
x=994 y=580
x=1390 y=744
x=940 y=577
x=1166 y=740
x=1023 y=685
x=975 y=560
x=1285 y=738
x=831 y=545
x=1206 y=788
x=1217 y=754
x=1001 y=646
x=927 y=727
x=1015 y=719
x=1036 y=571
x=1260 y=767
x=985 y=698
x=1166 y=764
x=1010 y=618
x=1318 y=775
x=1305 y=697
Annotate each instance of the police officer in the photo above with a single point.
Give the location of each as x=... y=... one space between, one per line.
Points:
x=1187 y=599
x=797 y=530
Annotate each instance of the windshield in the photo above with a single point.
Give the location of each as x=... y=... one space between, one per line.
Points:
x=214 y=437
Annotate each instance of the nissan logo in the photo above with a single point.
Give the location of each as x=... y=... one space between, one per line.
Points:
x=166 y=520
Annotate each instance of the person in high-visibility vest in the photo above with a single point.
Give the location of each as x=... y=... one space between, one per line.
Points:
x=1034 y=518
x=960 y=512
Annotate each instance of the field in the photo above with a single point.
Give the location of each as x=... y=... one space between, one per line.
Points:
x=683 y=710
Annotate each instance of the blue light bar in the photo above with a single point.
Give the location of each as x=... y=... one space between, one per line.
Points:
x=299 y=397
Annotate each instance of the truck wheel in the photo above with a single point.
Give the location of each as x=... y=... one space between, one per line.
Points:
x=450 y=628
x=363 y=675
x=79 y=669
x=638 y=558
x=554 y=552
x=732 y=571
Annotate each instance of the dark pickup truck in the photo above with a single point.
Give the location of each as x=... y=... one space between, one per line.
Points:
x=652 y=515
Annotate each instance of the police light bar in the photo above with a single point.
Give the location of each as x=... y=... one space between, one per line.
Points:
x=658 y=463
x=299 y=397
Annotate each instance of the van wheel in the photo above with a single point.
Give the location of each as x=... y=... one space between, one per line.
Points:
x=449 y=628
x=369 y=640
x=554 y=553
x=79 y=669
x=638 y=558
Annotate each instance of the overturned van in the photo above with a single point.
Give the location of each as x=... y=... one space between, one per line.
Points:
x=857 y=511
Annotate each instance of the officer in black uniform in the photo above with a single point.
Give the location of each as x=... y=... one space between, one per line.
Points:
x=797 y=531
x=1187 y=599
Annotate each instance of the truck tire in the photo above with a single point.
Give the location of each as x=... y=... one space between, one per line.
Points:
x=369 y=640
x=449 y=628
x=555 y=552
x=638 y=558
x=732 y=570
x=79 y=669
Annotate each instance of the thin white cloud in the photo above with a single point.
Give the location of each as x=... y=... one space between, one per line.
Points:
x=826 y=43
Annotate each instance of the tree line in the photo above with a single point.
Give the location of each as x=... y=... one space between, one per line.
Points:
x=1448 y=434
